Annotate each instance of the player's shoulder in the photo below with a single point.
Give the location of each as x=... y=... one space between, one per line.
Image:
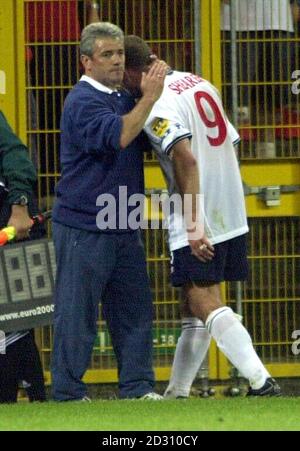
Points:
x=185 y=77
x=178 y=82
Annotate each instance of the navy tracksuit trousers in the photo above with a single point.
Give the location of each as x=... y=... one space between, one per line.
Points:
x=111 y=268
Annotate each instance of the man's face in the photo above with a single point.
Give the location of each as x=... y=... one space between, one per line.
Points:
x=132 y=80
x=107 y=63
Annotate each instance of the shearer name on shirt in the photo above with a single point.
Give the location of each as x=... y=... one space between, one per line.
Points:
x=187 y=82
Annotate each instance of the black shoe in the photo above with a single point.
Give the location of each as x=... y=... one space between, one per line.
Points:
x=270 y=388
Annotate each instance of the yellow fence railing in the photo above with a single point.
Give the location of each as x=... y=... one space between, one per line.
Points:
x=39 y=61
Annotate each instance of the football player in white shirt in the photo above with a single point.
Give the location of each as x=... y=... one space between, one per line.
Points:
x=194 y=143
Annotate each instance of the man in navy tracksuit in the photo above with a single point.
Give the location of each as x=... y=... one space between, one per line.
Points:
x=101 y=154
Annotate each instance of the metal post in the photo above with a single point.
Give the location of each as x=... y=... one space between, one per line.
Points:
x=203 y=373
x=234 y=91
x=234 y=77
x=235 y=388
x=197 y=31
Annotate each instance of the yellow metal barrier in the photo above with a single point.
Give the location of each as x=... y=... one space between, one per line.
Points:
x=271 y=295
x=40 y=68
x=8 y=63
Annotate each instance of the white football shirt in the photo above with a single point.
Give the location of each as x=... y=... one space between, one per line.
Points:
x=190 y=107
x=259 y=15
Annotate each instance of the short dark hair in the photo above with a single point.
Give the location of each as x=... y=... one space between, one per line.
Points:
x=137 y=52
x=98 y=30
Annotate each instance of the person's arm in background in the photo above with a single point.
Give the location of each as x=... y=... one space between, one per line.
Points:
x=187 y=178
x=20 y=176
x=295 y=7
x=92 y=11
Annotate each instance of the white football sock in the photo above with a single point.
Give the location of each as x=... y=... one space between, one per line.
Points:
x=235 y=342
x=191 y=350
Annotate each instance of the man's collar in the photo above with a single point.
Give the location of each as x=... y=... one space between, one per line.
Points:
x=97 y=85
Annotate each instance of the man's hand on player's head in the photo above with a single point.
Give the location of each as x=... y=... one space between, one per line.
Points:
x=152 y=83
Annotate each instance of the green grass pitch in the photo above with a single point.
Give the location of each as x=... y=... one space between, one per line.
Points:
x=238 y=414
